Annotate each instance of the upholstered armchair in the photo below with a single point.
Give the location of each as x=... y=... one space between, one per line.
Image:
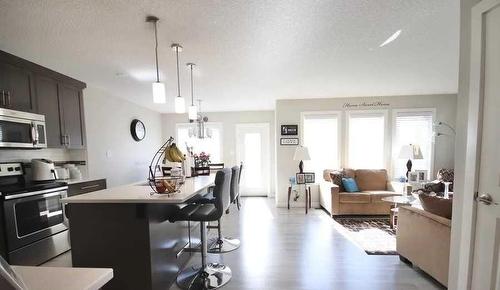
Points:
x=443 y=175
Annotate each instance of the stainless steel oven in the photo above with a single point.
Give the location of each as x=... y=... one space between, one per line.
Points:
x=22 y=129
x=33 y=216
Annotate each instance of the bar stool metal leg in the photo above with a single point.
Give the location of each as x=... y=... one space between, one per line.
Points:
x=222 y=244
x=204 y=276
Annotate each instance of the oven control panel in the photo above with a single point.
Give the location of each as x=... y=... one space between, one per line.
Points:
x=11 y=169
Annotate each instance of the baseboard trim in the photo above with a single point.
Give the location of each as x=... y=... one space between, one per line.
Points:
x=314 y=205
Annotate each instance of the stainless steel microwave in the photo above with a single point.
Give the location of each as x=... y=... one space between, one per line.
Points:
x=22 y=129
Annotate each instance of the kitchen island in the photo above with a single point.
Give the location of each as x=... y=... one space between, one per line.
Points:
x=128 y=229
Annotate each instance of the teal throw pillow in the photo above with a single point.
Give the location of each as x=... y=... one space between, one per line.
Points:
x=350 y=184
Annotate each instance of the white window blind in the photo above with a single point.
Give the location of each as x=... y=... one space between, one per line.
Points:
x=413 y=127
x=320 y=136
x=212 y=146
x=366 y=140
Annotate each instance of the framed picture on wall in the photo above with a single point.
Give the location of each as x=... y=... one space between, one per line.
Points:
x=289 y=141
x=412 y=176
x=300 y=178
x=290 y=130
x=421 y=175
x=309 y=177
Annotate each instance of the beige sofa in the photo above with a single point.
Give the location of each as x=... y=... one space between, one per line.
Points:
x=413 y=242
x=373 y=185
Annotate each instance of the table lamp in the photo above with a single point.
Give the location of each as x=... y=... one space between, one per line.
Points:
x=301 y=153
x=410 y=152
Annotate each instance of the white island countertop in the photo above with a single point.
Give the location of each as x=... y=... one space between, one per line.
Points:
x=140 y=192
x=57 y=278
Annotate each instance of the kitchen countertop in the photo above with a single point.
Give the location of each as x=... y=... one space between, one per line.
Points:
x=140 y=192
x=58 y=278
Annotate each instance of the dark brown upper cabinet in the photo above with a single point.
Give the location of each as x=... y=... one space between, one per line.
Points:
x=62 y=106
x=71 y=108
x=16 y=88
x=48 y=105
x=27 y=86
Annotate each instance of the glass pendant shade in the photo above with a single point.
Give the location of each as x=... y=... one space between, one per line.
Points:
x=159 y=93
x=180 y=105
x=193 y=112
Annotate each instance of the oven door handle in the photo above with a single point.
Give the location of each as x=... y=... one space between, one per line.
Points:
x=52 y=194
x=51 y=214
x=48 y=193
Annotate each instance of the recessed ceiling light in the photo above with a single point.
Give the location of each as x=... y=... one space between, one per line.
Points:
x=391 y=38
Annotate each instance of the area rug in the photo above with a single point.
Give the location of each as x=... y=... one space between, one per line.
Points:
x=373 y=234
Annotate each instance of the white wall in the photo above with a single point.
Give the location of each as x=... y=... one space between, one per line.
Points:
x=111 y=151
x=288 y=112
x=229 y=121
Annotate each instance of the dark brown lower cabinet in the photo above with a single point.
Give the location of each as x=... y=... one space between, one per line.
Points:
x=86 y=187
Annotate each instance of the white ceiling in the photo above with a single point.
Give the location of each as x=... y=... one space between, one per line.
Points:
x=249 y=53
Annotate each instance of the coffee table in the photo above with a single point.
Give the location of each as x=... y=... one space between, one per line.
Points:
x=397 y=201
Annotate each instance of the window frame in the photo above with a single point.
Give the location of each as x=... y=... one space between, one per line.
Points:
x=387 y=136
x=433 y=144
x=219 y=126
x=338 y=114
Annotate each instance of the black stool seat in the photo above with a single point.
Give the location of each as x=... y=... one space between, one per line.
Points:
x=207 y=275
x=204 y=213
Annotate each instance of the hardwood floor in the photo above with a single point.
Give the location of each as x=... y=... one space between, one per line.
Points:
x=286 y=249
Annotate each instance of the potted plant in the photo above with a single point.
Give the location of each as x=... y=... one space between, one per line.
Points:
x=202 y=159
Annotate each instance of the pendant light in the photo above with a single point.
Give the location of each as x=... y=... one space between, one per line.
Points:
x=199 y=130
x=192 y=110
x=180 y=105
x=158 y=87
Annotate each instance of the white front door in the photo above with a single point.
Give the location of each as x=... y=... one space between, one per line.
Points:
x=252 y=148
x=485 y=87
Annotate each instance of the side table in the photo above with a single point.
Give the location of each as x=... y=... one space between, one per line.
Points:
x=397 y=201
x=308 y=198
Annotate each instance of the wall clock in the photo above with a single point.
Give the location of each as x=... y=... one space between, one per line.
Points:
x=138 y=130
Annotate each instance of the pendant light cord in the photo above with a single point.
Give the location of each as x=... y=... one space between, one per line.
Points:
x=178 y=75
x=156 y=54
x=192 y=86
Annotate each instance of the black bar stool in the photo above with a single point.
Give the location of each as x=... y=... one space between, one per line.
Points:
x=213 y=275
x=236 y=198
x=222 y=244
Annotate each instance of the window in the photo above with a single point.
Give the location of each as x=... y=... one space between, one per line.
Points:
x=212 y=146
x=366 y=140
x=413 y=127
x=321 y=137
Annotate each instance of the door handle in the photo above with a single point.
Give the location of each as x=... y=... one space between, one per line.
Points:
x=7 y=97
x=51 y=214
x=486 y=199
x=64 y=140
x=34 y=134
x=89 y=186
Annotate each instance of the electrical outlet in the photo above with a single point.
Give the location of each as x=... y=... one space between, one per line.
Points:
x=108 y=153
